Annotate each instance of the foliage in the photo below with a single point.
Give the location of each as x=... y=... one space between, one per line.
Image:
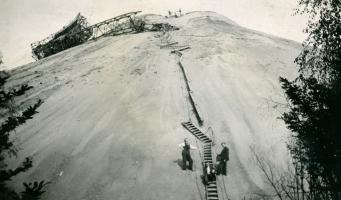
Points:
x=314 y=100
x=33 y=191
x=7 y=147
x=1 y=61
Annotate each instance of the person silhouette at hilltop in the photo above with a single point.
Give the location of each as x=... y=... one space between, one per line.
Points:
x=186 y=155
x=222 y=158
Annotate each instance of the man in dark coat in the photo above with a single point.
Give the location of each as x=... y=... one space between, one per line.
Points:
x=186 y=155
x=223 y=157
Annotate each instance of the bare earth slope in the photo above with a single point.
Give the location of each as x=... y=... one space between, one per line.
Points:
x=110 y=124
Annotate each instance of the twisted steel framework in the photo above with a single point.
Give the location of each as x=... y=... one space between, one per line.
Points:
x=78 y=32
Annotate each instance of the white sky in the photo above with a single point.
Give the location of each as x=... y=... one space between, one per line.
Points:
x=25 y=21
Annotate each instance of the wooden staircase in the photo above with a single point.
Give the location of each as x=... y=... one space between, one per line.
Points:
x=211 y=188
x=196 y=132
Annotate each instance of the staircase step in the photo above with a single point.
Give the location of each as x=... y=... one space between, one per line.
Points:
x=212 y=185
x=212 y=198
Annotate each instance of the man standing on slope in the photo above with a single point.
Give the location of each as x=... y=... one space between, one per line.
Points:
x=186 y=155
x=223 y=157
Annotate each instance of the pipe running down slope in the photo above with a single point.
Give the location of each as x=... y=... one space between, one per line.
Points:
x=188 y=88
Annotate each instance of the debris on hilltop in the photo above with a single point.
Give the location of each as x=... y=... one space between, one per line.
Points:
x=78 y=32
x=75 y=33
x=163 y=27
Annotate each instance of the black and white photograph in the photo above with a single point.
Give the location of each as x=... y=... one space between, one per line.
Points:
x=170 y=100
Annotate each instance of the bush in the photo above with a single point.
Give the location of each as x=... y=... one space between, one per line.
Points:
x=32 y=190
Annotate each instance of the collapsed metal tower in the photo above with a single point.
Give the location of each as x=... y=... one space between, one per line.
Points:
x=78 y=32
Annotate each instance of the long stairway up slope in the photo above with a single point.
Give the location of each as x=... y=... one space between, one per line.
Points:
x=211 y=188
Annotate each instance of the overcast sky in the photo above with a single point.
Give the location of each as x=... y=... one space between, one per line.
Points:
x=25 y=21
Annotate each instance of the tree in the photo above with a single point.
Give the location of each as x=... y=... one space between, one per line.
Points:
x=1 y=57
x=7 y=148
x=314 y=97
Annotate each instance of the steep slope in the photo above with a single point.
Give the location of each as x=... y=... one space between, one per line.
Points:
x=111 y=122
